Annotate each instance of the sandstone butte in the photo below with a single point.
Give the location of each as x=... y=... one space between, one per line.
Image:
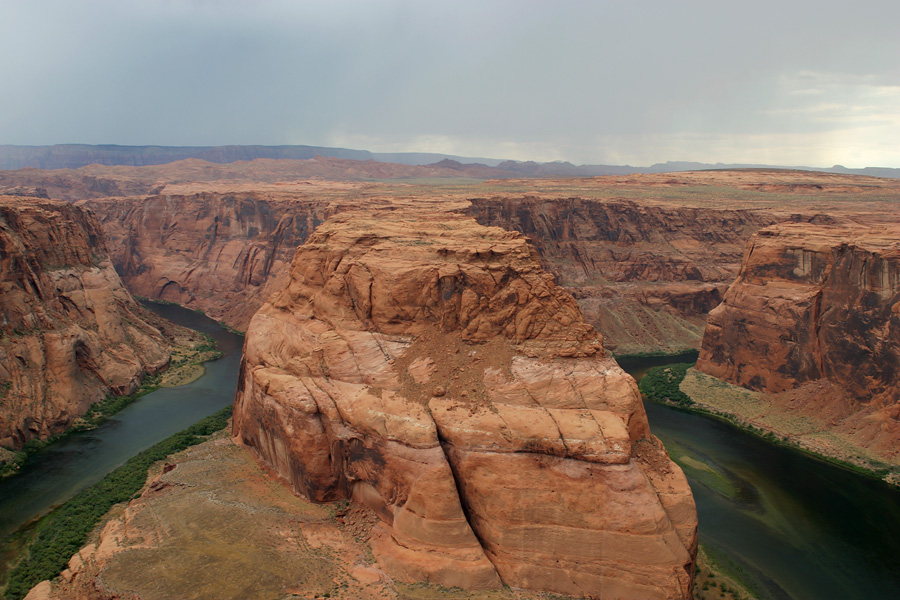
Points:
x=71 y=333
x=427 y=367
x=813 y=321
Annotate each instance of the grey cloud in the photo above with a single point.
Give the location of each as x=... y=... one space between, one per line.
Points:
x=584 y=80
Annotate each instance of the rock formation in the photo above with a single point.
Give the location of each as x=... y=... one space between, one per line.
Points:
x=428 y=368
x=215 y=252
x=70 y=332
x=646 y=257
x=813 y=319
x=645 y=275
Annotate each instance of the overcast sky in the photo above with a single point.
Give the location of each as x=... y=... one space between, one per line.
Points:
x=597 y=81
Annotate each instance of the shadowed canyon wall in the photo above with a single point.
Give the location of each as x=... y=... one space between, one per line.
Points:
x=813 y=321
x=216 y=252
x=427 y=367
x=71 y=333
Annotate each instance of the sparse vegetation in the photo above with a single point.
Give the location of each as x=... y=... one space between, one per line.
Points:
x=738 y=407
x=98 y=412
x=230 y=329
x=721 y=578
x=661 y=384
x=64 y=531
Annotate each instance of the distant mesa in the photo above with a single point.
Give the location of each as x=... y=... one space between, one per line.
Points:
x=73 y=156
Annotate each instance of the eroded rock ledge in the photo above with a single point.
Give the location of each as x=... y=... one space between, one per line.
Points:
x=425 y=366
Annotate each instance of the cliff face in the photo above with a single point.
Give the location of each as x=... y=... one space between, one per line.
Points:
x=216 y=252
x=70 y=332
x=814 y=306
x=645 y=275
x=427 y=367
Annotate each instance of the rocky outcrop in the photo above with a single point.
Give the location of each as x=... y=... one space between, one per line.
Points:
x=215 y=252
x=644 y=274
x=71 y=333
x=428 y=368
x=813 y=320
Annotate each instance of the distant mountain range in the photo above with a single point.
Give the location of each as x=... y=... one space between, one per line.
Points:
x=72 y=156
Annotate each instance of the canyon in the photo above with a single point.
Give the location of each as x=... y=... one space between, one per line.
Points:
x=436 y=341
x=71 y=332
x=221 y=253
x=812 y=324
x=426 y=367
x=645 y=276
x=646 y=256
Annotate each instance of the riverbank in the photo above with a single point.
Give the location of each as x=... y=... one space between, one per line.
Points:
x=190 y=349
x=45 y=551
x=755 y=413
x=716 y=579
x=684 y=388
x=685 y=354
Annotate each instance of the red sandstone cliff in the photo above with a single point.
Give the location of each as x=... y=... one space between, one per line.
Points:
x=70 y=332
x=427 y=367
x=813 y=320
x=216 y=252
x=646 y=275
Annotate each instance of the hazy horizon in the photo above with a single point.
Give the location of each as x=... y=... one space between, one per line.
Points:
x=600 y=82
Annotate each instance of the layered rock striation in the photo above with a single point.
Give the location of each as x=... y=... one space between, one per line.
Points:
x=211 y=251
x=427 y=367
x=645 y=274
x=813 y=320
x=71 y=333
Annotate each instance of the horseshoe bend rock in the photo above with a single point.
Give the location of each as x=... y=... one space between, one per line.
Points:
x=426 y=366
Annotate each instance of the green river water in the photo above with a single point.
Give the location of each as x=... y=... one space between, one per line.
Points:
x=791 y=526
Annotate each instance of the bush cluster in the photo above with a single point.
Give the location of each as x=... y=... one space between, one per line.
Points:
x=660 y=384
x=65 y=530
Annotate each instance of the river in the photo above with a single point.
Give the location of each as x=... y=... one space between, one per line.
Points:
x=799 y=528
x=60 y=470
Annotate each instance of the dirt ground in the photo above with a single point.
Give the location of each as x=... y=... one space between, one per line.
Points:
x=218 y=526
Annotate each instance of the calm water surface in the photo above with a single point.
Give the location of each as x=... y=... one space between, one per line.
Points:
x=798 y=528
x=61 y=470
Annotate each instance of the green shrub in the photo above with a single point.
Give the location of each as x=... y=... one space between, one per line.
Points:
x=660 y=384
x=65 y=530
